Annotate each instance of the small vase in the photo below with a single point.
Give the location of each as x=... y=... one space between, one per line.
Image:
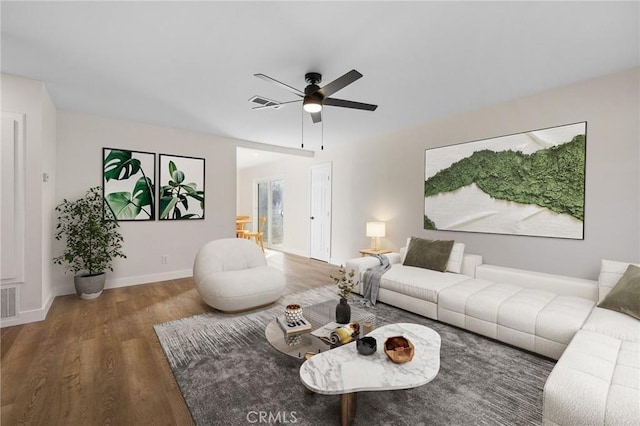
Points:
x=343 y=312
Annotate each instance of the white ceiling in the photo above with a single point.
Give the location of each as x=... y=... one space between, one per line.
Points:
x=191 y=65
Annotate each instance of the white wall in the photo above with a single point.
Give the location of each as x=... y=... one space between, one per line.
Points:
x=383 y=179
x=30 y=97
x=79 y=166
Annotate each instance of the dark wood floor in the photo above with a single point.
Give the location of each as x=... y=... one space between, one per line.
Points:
x=97 y=362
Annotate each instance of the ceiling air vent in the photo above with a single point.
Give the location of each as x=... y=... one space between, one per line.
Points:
x=264 y=102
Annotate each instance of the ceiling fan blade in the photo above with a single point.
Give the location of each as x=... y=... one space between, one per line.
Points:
x=278 y=83
x=339 y=83
x=348 y=104
x=316 y=117
x=276 y=106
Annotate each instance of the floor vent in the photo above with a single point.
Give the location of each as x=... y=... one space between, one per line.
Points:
x=8 y=302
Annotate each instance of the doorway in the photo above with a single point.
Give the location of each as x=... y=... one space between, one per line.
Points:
x=320 y=247
x=270 y=204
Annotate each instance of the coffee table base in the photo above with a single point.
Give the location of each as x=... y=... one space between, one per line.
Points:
x=348 y=406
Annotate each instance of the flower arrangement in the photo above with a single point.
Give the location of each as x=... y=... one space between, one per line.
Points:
x=345 y=282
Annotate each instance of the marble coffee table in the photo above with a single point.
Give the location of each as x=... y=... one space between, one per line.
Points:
x=343 y=371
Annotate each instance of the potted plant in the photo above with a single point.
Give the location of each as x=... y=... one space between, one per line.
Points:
x=345 y=282
x=93 y=240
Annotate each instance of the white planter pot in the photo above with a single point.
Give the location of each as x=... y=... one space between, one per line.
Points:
x=89 y=286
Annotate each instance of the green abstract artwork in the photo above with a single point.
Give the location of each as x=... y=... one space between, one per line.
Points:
x=530 y=183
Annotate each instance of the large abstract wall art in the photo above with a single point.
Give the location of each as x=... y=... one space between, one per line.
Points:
x=530 y=183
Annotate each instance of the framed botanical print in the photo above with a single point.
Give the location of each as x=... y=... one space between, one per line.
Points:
x=181 y=187
x=129 y=183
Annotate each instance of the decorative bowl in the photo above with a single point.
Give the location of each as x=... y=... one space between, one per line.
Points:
x=399 y=349
x=293 y=313
x=367 y=345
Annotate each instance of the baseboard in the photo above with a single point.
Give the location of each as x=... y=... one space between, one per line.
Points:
x=25 y=317
x=294 y=252
x=130 y=281
x=332 y=261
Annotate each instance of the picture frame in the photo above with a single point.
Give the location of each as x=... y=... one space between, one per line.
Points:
x=182 y=187
x=128 y=183
x=530 y=183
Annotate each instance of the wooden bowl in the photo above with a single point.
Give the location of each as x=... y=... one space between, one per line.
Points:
x=399 y=349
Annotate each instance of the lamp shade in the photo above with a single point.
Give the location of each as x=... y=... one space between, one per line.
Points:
x=375 y=229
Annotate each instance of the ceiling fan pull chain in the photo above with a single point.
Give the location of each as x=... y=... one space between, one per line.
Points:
x=302 y=126
x=322 y=136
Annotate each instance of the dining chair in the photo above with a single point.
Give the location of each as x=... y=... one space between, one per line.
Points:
x=240 y=231
x=258 y=236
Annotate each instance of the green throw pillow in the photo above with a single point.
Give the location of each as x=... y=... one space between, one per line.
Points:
x=428 y=254
x=625 y=296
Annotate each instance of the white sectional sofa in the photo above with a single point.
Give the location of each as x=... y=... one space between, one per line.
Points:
x=534 y=311
x=596 y=380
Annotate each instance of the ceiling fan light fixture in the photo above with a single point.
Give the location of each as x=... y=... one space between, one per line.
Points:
x=312 y=104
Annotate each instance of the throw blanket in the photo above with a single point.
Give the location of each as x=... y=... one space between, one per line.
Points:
x=371 y=279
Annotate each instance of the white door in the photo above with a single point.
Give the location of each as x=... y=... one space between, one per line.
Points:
x=321 y=212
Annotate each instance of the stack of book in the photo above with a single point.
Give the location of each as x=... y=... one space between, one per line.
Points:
x=298 y=327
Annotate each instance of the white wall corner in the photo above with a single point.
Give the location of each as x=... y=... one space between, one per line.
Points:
x=25 y=317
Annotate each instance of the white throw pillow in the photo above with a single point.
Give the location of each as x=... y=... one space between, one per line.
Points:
x=610 y=273
x=455 y=258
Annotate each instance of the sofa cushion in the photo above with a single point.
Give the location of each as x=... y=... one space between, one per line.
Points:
x=613 y=324
x=456 y=259
x=625 y=296
x=454 y=298
x=561 y=318
x=418 y=282
x=484 y=304
x=586 y=385
x=597 y=379
x=452 y=304
x=428 y=254
x=517 y=317
x=610 y=273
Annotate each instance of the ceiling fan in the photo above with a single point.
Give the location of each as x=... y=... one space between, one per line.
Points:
x=315 y=97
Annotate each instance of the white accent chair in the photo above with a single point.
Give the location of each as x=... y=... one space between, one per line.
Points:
x=232 y=275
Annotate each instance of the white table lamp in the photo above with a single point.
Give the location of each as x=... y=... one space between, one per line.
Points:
x=375 y=230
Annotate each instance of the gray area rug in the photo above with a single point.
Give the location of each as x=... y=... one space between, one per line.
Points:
x=230 y=375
